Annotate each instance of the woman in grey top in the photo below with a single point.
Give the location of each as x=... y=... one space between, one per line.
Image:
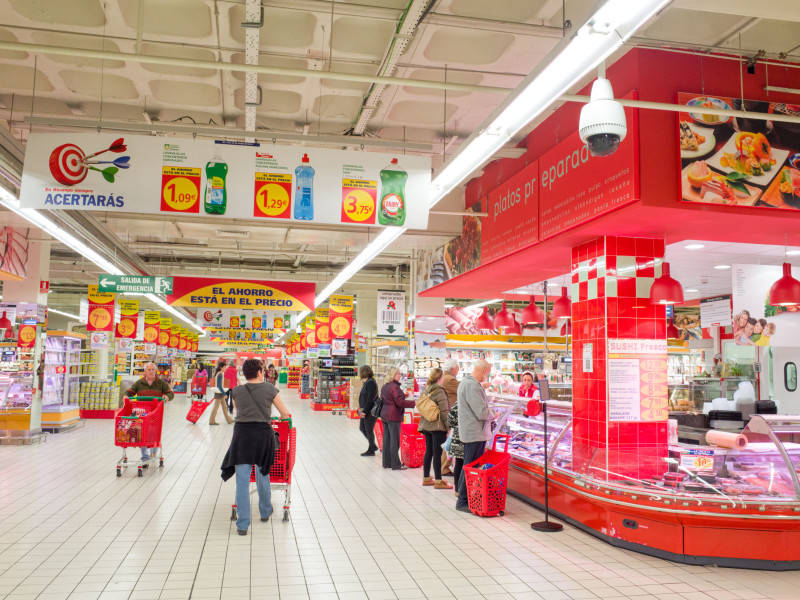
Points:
x=253 y=442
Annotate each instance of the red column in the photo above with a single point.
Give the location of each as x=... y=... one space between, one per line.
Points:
x=611 y=279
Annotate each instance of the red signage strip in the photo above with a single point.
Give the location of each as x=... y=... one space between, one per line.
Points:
x=242 y=293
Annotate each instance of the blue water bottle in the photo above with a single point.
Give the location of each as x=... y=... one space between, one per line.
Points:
x=304 y=191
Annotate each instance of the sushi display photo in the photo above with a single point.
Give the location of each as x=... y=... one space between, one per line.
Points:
x=736 y=161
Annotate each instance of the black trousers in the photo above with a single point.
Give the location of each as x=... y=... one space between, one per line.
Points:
x=433 y=453
x=458 y=465
x=472 y=452
x=391 y=444
x=367 y=427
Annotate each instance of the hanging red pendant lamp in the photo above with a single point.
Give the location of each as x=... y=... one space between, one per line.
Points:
x=785 y=291
x=532 y=313
x=666 y=289
x=502 y=318
x=673 y=333
x=562 y=308
x=484 y=321
x=5 y=326
x=515 y=328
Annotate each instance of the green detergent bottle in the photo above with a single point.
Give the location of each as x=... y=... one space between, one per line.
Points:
x=393 y=188
x=216 y=197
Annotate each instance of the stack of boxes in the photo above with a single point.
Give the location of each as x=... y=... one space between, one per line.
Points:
x=99 y=395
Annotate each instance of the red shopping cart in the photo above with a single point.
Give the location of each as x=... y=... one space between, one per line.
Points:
x=280 y=475
x=487 y=480
x=412 y=446
x=378 y=430
x=138 y=424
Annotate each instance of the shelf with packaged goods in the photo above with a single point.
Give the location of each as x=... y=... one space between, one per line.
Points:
x=745 y=506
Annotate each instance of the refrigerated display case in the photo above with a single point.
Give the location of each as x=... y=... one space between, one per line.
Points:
x=709 y=505
x=62 y=378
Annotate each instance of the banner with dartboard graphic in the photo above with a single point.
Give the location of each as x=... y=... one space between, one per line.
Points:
x=212 y=179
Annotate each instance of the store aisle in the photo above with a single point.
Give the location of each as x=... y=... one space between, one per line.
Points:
x=70 y=529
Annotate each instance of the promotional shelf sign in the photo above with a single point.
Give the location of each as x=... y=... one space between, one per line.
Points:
x=152 y=325
x=26 y=336
x=129 y=318
x=637 y=380
x=391 y=313
x=242 y=293
x=143 y=174
x=340 y=313
x=101 y=310
x=165 y=332
x=322 y=335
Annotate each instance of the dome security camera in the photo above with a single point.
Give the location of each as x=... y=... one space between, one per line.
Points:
x=602 y=124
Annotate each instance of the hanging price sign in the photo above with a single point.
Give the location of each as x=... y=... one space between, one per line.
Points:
x=359 y=197
x=180 y=189
x=273 y=195
x=100 y=318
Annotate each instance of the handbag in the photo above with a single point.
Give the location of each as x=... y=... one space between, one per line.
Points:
x=263 y=414
x=377 y=407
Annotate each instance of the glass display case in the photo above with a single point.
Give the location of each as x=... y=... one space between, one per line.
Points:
x=707 y=389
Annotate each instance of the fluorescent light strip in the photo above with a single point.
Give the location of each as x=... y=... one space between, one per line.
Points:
x=484 y=303
x=61 y=312
x=42 y=222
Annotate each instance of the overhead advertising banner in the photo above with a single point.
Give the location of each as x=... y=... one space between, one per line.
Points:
x=715 y=311
x=26 y=336
x=129 y=318
x=322 y=333
x=340 y=313
x=513 y=220
x=240 y=335
x=101 y=317
x=143 y=174
x=174 y=336
x=165 y=331
x=738 y=162
x=95 y=296
x=14 y=253
x=242 y=293
x=755 y=321
x=238 y=319
x=391 y=313
x=311 y=330
x=637 y=380
x=152 y=326
x=576 y=187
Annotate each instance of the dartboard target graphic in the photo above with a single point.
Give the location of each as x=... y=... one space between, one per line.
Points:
x=67 y=164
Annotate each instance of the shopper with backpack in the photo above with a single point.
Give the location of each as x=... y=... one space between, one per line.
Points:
x=433 y=408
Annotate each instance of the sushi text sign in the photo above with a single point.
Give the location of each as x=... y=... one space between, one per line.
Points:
x=735 y=161
x=143 y=174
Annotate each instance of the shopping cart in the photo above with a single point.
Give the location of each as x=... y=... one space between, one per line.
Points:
x=138 y=424
x=378 y=430
x=280 y=475
x=412 y=446
x=486 y=487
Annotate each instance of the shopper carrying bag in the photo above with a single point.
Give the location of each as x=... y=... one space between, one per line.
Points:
x=220 y=394
x=434 y=407
x=366 y=400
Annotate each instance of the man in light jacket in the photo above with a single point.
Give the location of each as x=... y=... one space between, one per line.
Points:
x=474 y=422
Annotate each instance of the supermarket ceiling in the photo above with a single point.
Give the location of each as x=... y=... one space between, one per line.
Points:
x=486 y=45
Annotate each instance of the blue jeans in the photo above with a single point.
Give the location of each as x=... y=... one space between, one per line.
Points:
x=243 y=495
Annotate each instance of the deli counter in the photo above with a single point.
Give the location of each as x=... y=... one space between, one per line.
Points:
x=710 y=505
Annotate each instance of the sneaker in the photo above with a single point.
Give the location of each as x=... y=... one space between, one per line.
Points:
x=427 y=481
x=463 y=508
x=368 y=453
x=400 y=468
x=442 y=485
x=241 y=531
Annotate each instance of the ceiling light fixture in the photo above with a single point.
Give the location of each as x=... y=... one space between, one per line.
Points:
x=694 y=246
x=692 y=291
x=562 y=308
x=484 y=321
x=722 y=267
x=673 y=333
x=484 y=303
x=532 y=313
x=793 y=253
x=503 y=317
x=666 y=289
x=514 y=328
x=785 y=291
x=61 y=312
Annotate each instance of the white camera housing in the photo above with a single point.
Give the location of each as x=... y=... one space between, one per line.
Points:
x=602 y=125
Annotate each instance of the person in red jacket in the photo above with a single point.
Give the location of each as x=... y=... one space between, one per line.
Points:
x=394 y=405
x=529 y=389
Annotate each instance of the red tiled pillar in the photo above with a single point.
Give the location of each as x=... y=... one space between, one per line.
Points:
x=611 y=280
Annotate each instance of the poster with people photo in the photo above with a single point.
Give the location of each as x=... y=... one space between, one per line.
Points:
x=755 y=321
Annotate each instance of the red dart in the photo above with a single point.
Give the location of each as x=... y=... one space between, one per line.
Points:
x=117 y=146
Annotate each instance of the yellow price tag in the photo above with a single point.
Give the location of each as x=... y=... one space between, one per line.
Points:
x=100 y=318
x=340 y=326
x=180 y=193
x=126 y=327
x=272 y=199
x=359 y=205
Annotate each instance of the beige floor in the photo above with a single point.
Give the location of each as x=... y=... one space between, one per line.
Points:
x=70 y=529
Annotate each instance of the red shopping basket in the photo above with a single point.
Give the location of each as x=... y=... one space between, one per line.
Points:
x=199 y=385
x=378 y=429
x=486 y=488
x=138 y=423
x=412 y=446
x=285 y=453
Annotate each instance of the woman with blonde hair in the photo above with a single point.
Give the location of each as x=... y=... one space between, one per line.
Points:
x=394 y=405
x=435 y=432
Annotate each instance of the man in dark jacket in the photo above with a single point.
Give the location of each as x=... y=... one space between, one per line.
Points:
x=366 y=400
